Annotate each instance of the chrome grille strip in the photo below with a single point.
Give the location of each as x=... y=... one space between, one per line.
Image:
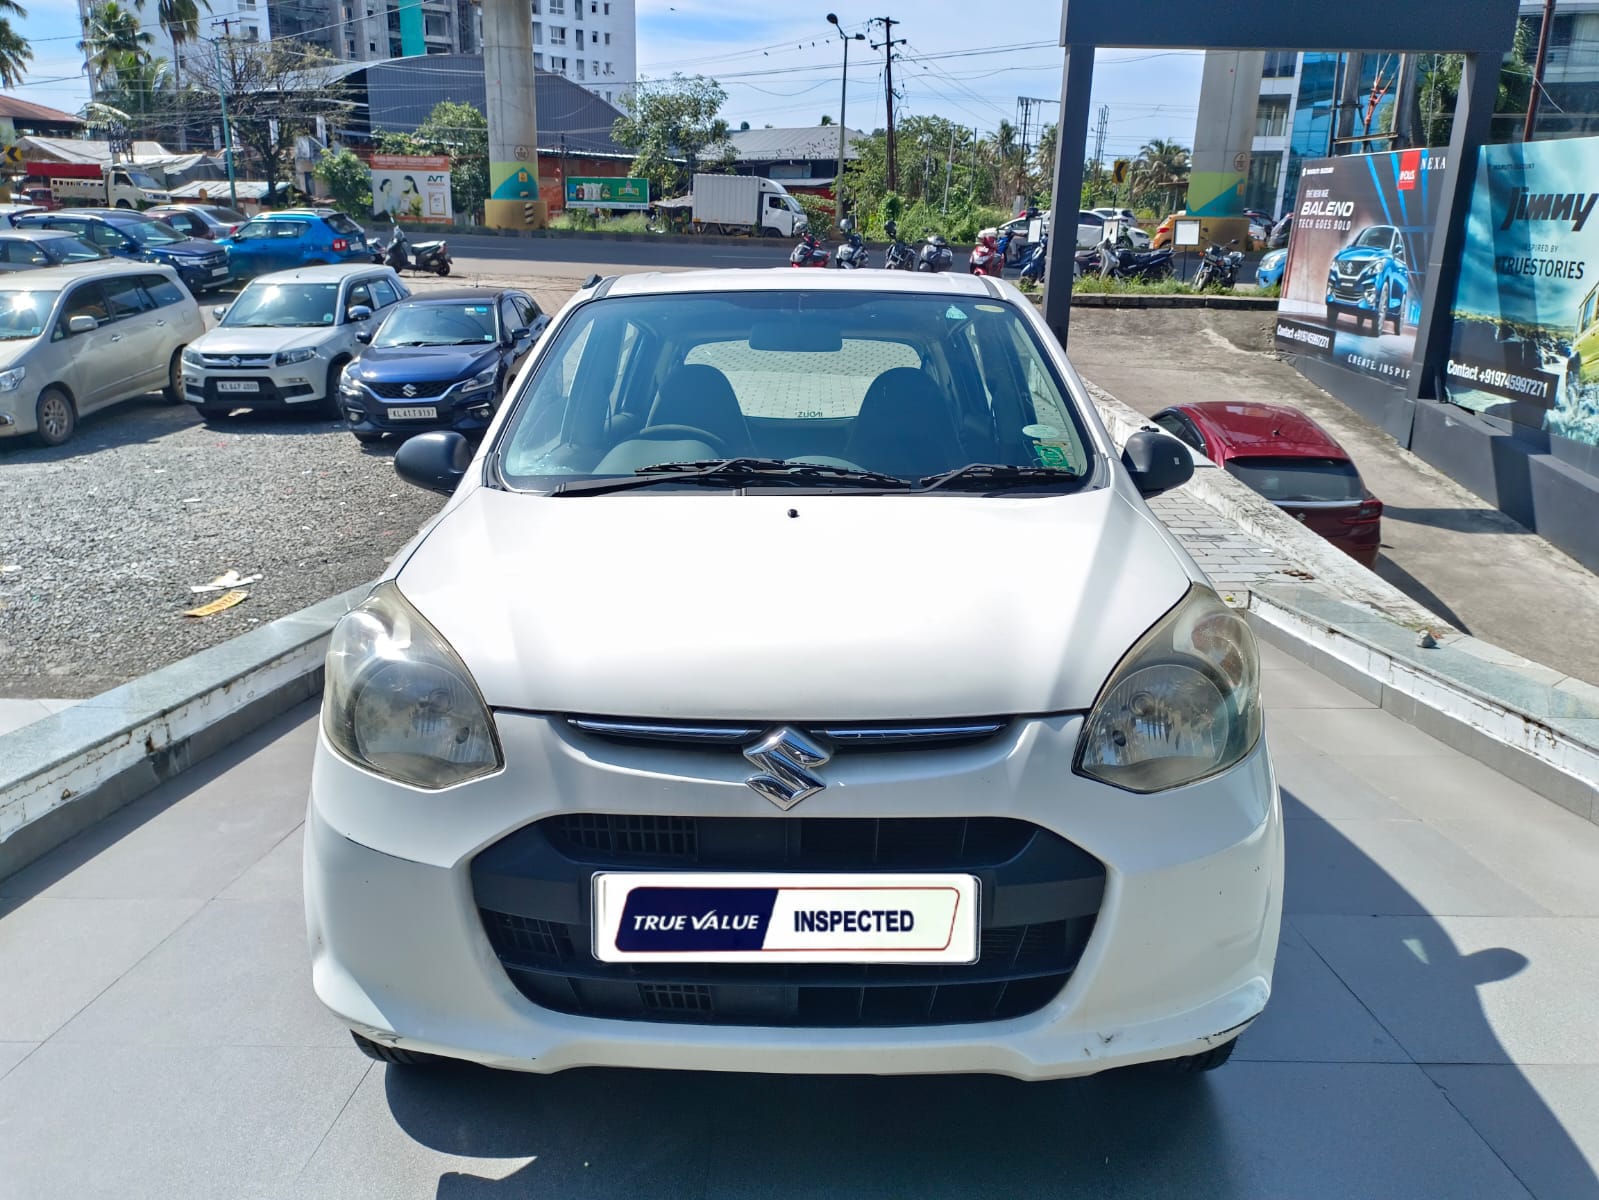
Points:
x=865 y=736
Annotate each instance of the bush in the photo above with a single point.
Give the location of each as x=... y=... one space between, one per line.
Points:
x=819 y=212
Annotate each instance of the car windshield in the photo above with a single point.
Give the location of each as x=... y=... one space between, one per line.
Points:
x=150 y=233
x=1378 y=236
x=71 y=250
x=23 y=314
x=438 y=325
x=143 y=179
x=904 y=386
x=1329 y=480
x=282 y=304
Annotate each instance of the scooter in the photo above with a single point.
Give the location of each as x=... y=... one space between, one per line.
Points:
x=853 y=254
x=1033 y=264
x=1118 y=260
x=400 y=254
x=809 y=253
x=899 y=256
x=936 y=255
x=987 y=258
x=1218 y=267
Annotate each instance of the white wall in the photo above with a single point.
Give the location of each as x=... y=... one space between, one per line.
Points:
x=605 y=67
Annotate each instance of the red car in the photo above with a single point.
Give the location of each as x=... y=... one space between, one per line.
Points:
x=1289 y=459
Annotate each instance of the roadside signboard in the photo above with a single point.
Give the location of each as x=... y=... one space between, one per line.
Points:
x=1526 y=335
x=1185 y=233
x=589 y=191
x=1357 y=260
x=412 y=187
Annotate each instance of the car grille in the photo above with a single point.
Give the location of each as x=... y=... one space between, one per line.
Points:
x=419 y=391
x=240 y=361
x=1040 y=897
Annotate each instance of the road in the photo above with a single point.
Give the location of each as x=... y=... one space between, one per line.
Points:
x=1429 y=1034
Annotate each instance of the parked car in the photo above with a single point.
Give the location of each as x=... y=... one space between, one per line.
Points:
x=208 y=221
x=1290 y=460
x=1090 y=229
x=441 y=360
x=75 y=339
x=1128 y=216
x=577 y=787
x=10 y=212
x=1270 y=271
x=284 y=342
x=1280 y=232
x=203 y=266
x=30 y=249
x=1370 y=280
x=281 y=241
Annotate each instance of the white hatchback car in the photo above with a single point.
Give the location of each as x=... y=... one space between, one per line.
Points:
x=284 y=342
x=796 y=681
x=74 y=339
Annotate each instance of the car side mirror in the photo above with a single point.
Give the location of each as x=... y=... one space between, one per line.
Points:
x=434 y=461
x=364 y=336
x=220 y=311
x=83 y=323
x=1157 y=462
x=357 y=312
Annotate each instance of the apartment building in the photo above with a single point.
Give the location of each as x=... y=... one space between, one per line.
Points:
x=591 y=42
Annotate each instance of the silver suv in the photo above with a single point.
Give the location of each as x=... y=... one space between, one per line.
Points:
x=78 y=338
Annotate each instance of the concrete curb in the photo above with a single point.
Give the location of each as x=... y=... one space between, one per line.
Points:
x=61 y=774
x=1527 y=721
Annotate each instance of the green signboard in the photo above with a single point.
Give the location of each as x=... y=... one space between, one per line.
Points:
x=596 y=192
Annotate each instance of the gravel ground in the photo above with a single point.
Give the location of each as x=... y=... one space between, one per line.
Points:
x=101 y=539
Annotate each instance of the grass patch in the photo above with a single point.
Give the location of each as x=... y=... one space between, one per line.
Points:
x=585 y=221
x=1096 y=285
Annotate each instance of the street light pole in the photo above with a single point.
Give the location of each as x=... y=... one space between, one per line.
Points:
x=227 y=136
x=843 y=97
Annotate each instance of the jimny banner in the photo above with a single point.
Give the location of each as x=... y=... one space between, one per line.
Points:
x=1526 y=335
x=1357 y=260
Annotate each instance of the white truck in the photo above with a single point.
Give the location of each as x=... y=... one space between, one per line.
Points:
x=743 y=203
x=120 y=185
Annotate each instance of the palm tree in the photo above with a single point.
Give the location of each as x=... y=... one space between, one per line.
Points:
x=14 y=52
x=180 y=20
x=138 y=83
x=1004 y=152
x=111 y=32
x=1163 y=166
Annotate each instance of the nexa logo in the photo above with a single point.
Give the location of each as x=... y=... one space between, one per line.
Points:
x=1409 y=168
x=1575 y=207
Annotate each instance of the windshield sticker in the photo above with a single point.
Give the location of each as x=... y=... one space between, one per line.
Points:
x=954 y=314
x=1043 y=433
x=990 y=308
x=478 y=308
x=1054 y=454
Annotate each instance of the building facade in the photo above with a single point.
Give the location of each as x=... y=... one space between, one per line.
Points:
x=593 y=43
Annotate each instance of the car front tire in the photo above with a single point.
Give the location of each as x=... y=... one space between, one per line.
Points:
x=174 y=389
x=56 y=417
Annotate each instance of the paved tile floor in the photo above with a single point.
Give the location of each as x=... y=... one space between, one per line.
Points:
x=1432 y=1034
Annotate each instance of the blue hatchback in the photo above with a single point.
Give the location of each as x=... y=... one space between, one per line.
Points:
x=282 y=241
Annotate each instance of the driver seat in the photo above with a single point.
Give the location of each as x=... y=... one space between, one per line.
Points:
x=904 y=426
x=701 y=397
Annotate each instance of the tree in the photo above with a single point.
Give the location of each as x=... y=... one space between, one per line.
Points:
x=275 y=92
x=826 y=120
x=671 y=120
x=111 y=34
x=14 y=52
x=1161 y=173
x=179 y=20
x=348 y=180
x=461 y=132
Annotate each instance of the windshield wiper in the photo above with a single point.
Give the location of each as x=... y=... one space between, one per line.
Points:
x=997 y=477
x=735 y=470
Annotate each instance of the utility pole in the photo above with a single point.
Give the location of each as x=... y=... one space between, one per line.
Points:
x=843 y=96
x=222 y=94
x=949 y=166
x=1537 y=70
x=887 y=47
x=1099 y=140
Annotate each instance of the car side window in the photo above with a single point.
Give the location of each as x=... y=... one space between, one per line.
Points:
x=105 y=235
x=85 y=300
x=288 y=229
x=510 y=319
x=359 y=294
x=22 y=252
x=251 y=230
x=125 y=297
x=1182 y=429
x=383 y=292
x=526 y=310
x=161 y=290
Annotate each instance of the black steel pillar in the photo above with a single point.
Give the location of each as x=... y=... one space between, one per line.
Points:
x=1474 y=106
x=1071 y=145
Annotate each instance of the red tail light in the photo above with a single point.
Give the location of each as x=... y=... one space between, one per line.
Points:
x=340 y=245
x=1370 y=510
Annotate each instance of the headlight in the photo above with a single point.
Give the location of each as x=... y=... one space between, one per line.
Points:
x=191 y=357
x=400 y=702
x=483 y=379
x=1183 y=704
x=12 y=379
x=285 y=358
x=347 y=383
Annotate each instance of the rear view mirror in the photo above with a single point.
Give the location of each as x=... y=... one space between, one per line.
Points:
x=219 y=311
x=82 y=324
x=357 y=312
x=802 y=336
x=1156 y=462
x=435 y=461
x=364 y=336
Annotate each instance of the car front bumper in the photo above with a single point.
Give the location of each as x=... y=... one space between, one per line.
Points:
x=1180 y=958
x=288 y=387
x=469 y=414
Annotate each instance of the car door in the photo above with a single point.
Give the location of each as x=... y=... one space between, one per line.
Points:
x=356 y=291
x=136 y=336
x=91 y=364
x=171 y=330
x=526 y=319
x=107 y=237
x=19 y=254
x=384 y=294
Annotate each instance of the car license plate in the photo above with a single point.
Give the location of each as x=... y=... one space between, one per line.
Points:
x=732 y=917
x=238 y=385
x=219 y=270
x=419 y=412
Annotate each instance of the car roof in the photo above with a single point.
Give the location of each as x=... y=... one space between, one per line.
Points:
x=35 y=235
x=286 y=214
x=1275 y=430
x=58 y=277
x=332 y=273
x=104 y=214
x=456 y=295
x=784 y=279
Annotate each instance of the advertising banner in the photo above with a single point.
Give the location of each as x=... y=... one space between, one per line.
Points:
x=1357 y=260
x=412 y=188
x=1526 y=337
x=584 y=191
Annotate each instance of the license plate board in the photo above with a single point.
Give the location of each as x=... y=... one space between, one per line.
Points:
x=767 y=917
x=238 y=385
x=219 y=270
x=420 y=412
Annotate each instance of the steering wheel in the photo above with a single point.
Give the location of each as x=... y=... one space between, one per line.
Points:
x=667 y=433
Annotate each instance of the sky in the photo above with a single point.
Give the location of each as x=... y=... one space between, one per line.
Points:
x=780 y=69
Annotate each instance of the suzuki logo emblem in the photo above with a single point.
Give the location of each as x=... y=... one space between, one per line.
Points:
x=234 y=361
x=783 y=757
x=409 y=389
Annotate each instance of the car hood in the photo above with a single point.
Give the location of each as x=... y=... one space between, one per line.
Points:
x=246 y=339
x=1360 y=255
x=419 y=364
x=787 y=607
x=187 y=247
x=11 y=351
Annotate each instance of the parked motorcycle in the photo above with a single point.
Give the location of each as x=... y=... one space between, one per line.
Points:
x=1218 y=267
x=852 y=255
x=899 y=256
x=936 y=255
x=1118 y=260
x=809 y=253
x=1033 y=264
x=987 y=258
x=402 y=255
